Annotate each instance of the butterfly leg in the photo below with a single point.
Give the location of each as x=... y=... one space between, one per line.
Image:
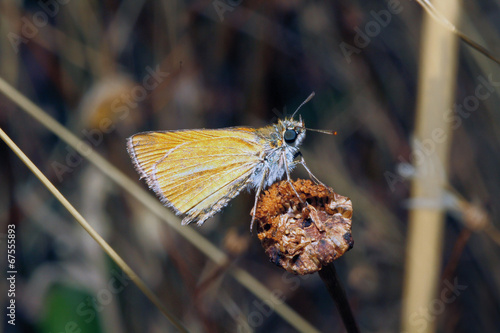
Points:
x=257 y=194
x=303 y=163
x=288 y=179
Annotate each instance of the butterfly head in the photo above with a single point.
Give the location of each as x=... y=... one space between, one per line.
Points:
x=293 y=131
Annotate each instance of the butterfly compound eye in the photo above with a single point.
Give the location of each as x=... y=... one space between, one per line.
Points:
x=290 y=136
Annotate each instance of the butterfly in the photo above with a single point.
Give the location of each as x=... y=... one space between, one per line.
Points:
x=197 y=172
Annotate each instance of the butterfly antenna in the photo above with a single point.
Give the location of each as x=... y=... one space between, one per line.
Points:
x=304 y=102
x=322 y=131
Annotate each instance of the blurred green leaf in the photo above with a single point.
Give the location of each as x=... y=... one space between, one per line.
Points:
x=69 y=310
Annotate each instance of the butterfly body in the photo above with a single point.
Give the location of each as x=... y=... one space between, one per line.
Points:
x=278 y=155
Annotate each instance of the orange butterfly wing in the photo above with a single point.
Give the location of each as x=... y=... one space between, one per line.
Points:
x=196 y=172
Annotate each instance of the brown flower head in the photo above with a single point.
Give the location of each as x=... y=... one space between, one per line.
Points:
x=304 y=236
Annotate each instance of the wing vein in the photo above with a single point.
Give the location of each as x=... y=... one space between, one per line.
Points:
x=179 y=194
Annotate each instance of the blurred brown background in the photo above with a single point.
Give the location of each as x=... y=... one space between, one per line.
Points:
x=109 y=69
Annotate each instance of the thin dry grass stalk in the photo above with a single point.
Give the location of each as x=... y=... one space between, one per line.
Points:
x=85 y=225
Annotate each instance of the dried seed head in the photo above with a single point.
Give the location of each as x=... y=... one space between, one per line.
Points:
x=304 y=236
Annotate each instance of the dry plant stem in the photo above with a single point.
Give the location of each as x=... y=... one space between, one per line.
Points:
x=332 y=282
x=440 y=18
x=85 y=225
x=478 y=47
x=456 y=253
x=426 y=225
x=210 y=279
x=149 y=201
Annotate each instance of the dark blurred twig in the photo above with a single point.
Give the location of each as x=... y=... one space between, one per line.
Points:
x=329 y=276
